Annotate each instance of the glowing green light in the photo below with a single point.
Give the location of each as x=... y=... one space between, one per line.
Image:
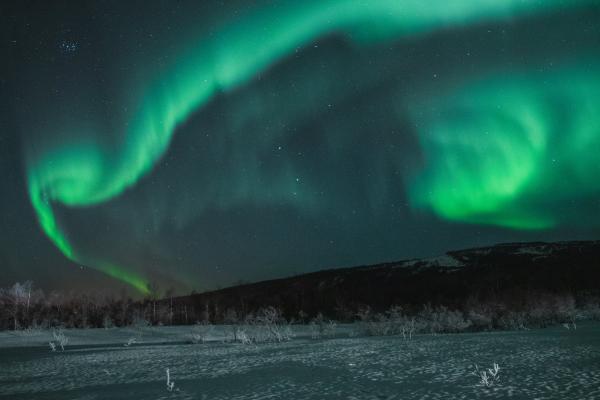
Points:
x=507 y=150
x=86 y=174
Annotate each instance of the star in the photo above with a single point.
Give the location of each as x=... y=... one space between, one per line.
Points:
x=68 y=46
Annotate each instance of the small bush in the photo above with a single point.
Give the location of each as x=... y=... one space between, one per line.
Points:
x=322 y=328
x=60 y=339
x=200 y=332
x=489 y=377
x=268 y=325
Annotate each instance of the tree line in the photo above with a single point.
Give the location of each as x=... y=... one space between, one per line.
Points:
x=23 y=306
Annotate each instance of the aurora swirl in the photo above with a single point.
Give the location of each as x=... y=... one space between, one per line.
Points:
x=502 y=144
x=503 y=179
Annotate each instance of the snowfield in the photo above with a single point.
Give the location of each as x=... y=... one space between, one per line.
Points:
x=553 y=363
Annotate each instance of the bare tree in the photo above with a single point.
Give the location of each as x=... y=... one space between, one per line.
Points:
x=16 y=296
x=153 y=294
x=231 y=317
x=169 y=293
x=566 y=311
x=27 y=286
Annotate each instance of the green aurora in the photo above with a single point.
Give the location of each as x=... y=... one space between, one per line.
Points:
x=505 y=147
x=486 y=141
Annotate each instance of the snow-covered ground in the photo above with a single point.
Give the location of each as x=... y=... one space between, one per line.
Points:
x=553 y=363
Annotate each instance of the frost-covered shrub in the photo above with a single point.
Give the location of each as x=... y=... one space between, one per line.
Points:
x=513 y=320
x=454 y=321
x=378 y=325
x=392 y=322
x=329 y=329
x=139 y=322
x=570 y=326
x=107 y=322
x=232 y=319
x=267 y=325
x=243 y=337
x=322 y=328
x=442 y=320
x=194 y=338
x=33 y=330
x=170 y=383
x=489 y=377
x=369 y=323
x=200 y=332
x=398 y=323
x=407 y=327
x=60 y=339
x=481 y=318
x=314 y=330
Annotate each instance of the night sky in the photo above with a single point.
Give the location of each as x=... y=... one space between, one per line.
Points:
x=198 y=144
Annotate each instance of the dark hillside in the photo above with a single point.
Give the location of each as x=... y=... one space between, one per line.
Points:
x=505 y=272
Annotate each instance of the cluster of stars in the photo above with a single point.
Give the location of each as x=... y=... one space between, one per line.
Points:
x=68 y=46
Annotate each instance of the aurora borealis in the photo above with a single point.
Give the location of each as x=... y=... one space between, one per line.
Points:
x=200 y=144
x=510 y=149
